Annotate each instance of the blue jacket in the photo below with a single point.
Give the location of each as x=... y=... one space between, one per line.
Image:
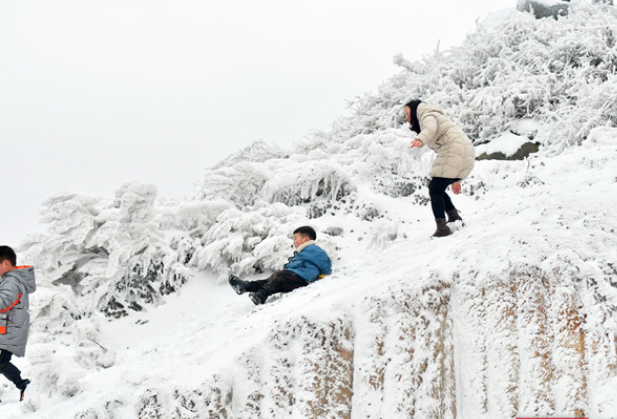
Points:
x=309 y=262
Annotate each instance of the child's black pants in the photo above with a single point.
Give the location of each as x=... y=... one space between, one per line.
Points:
x=279 y=281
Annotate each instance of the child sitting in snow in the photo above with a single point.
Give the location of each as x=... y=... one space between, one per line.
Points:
x=308 y=264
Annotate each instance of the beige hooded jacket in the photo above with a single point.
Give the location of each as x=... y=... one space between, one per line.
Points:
x=455 y=153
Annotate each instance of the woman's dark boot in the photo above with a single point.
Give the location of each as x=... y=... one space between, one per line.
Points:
x=442 y=229
x=453 y=215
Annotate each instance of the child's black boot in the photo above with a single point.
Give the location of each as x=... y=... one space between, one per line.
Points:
x=259 y=297
x=22 y=387
x=237 y=284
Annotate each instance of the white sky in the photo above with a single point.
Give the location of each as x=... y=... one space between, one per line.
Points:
x=94 y=94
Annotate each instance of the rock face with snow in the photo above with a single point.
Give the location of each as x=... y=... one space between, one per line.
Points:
x=544 y=8
x=523 y=152
x=508 y=146
x=515 y=314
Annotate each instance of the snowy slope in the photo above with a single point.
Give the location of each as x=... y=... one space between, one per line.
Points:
x=512 y=315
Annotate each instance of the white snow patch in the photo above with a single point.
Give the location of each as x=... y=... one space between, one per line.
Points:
x=506 y=143
x=601 y=136
x=525 y=126
x=496 y=20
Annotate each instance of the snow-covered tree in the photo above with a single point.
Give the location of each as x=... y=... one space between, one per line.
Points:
x=109 y=251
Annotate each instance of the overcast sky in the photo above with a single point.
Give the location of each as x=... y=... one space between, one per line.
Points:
x=94 y=94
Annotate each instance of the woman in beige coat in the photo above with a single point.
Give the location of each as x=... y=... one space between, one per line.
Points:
x=455 y=158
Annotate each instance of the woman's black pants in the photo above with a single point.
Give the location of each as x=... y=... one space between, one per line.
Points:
x=440 y=201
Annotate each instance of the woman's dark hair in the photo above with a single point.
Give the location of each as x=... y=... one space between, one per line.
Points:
x=306 y=231
x=413 y=105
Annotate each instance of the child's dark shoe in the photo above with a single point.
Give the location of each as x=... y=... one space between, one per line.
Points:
x=237 y=284
x=258 y=298
x=22 y=387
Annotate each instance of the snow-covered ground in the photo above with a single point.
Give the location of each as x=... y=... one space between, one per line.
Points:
x=552 y=214
x=515 y=314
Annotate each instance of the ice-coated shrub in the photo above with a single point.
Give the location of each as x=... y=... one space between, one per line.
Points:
x=195 y=216
x=308 y=181
x=55 y=372
x=258 y=152
x=562 y=72
x=109 y=251
x=290 y=181
x=240 y=183
x=249 y=241
x=54 y=310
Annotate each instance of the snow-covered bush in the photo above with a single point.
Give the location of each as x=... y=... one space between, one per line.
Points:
x=109 y=251
x=245 y=242
x=307 y=181
x=561 y=72
x=291 y=181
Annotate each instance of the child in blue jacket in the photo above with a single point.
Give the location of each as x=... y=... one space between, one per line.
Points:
x=307 y=265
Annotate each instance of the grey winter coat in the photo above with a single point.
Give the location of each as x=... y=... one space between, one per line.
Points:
x=15 y=282
x=455 y=153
